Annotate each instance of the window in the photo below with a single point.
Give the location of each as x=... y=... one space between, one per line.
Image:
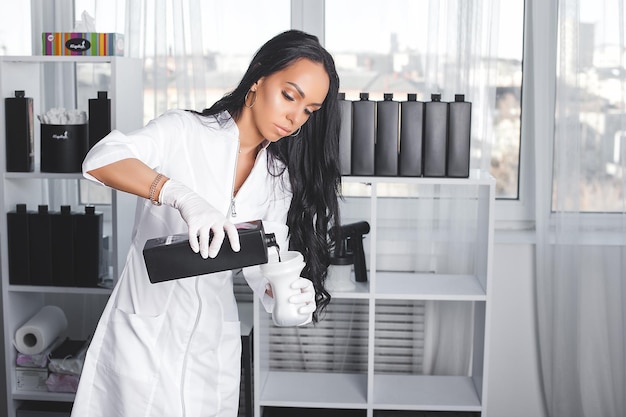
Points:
x=590 y=110
x=419 y=47
x=15 y=36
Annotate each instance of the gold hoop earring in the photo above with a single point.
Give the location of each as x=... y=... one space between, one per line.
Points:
x=245 y=99
x=297 y=132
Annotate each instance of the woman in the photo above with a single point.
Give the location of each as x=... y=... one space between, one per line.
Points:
x=268 y=150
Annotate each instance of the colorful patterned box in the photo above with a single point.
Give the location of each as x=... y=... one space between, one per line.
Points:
x=90 y=43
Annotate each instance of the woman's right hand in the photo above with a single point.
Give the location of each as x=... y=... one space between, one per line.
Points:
x=207 y=226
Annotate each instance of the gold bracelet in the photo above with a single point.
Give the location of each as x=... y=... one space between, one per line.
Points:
x=153 y=188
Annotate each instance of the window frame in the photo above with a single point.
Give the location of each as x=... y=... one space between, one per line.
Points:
x=510 y=214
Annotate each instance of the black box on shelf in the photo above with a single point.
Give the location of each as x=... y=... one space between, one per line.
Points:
x=63 y=147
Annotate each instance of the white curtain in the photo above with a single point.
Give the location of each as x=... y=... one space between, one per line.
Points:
x=462 y=41
x=196 y=50
x=581 y=216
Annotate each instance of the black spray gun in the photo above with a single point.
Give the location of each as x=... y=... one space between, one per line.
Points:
x=348 y=240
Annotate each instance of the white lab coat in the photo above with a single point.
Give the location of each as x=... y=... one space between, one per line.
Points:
x=173 y=349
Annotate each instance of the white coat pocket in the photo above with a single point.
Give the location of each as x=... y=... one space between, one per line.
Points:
x=129 y=359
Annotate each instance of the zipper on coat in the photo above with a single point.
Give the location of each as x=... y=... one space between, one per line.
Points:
x=233 y=210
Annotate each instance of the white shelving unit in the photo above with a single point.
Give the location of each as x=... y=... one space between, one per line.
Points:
x=405 y=265
x=122 y=78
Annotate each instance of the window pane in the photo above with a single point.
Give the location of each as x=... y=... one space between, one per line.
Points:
x=447 y=47
x=15 y=37
x=590 y=139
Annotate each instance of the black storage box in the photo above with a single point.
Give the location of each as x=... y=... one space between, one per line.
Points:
x=63 y=147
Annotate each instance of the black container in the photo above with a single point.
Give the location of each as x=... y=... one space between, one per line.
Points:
x=345 y=134
x=19 y=128
x=411 y=137
x=387 y=136
x=62 y=224
x=63 y=147
x=435 y=136
x=171 y=257
x=459 y=137
x=39 y=240
x=99 y=118
x=17 y=245
x=88 y=229
x=363 y=135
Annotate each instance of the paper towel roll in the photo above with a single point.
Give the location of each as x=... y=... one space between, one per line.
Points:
x=41 y=330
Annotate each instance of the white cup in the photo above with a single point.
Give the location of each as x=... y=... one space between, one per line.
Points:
x=281 y=275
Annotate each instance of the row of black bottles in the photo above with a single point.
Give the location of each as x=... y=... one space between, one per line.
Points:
x=405 y=138
x=63 y=147
x=60 y=248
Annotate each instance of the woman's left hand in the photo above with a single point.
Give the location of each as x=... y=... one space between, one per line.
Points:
x=306 y=296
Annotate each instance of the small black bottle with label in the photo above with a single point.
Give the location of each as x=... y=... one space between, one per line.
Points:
x=88 y=229
x=345 y=134
x=99 y=117
x=18 y=246
x=363 y=135
x=40 y=243
x=411 y=136
x=459 y=137
x=62 y=223
x=19 y=128
x=435 y=136
x=387 y=131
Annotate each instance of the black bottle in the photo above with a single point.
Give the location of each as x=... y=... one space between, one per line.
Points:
x=387 y=131
x=17 y=245
x=435 y=136
x=170 y=257
x=39 y=240
x=19 y=128
x=345 y=134
x=459 y=137
x=88 y=228
x=62 y=224
x=363 y=135
x=411 y=136
x=99 y=117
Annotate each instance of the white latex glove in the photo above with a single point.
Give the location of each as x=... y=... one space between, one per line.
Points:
x=201 y=218
x=306 y=297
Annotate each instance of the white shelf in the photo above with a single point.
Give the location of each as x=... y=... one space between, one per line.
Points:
x=317 y=390
x=43 y=396
x=476 y=177
x=59 y=290
x=78 y=59
x=82 y=305
x=416 y=286
x=418 y=392
x=42 y=175
x=361 y=291
x=417 y=225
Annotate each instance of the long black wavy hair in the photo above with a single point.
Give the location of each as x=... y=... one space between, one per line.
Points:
x=311 y=157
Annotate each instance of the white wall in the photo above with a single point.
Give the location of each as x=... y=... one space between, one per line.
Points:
x=513 y=375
